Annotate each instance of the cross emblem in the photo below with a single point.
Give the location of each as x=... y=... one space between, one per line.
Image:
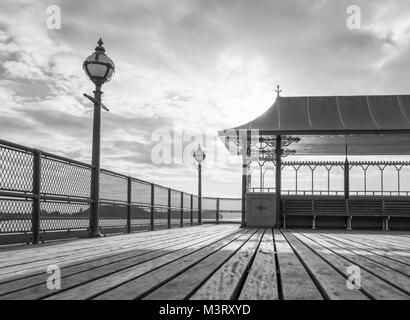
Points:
x=261 y=208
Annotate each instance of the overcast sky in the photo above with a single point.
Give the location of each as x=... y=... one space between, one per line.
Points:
x=196 y=66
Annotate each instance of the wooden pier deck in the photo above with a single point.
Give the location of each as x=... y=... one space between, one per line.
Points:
x=213 y=262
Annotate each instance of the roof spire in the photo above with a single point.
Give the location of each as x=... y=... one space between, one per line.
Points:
x=278 y=91
x=346 y=152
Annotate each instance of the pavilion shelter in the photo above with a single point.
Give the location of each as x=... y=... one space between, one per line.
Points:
x=322 y=126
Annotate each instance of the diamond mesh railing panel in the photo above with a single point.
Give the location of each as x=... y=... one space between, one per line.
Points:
x=112 y=187
x=195 y=200
x=140 y=192
x=208 y=203
x=140 y=216
x=113 y=216
x=195 y=209
x=230 y=210
x=16 y=168
x=208 y=209
x=187 y=201
x=65 y=179
x=15 y=215
x=175 y=199
x=230 y=204
x=58 y=215
x=160 y=196
x=160 y=217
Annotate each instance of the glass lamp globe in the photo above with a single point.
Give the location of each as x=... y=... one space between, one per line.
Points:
x=98 y=66
x=199 y=155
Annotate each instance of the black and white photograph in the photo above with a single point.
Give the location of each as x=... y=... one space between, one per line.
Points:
x=215 y=157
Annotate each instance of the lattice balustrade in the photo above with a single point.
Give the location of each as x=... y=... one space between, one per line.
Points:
x=113 y=187
x=15 y=215
x=187 y=201
x=141 y=192
x=56 y=215
x=16 y=170
x=160 y=196
x=175 y=199
x=65 y=179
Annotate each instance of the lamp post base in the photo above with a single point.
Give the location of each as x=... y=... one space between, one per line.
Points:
x=97 y=234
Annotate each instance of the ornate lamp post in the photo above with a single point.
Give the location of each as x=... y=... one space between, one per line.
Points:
x=199 y=156
x=100 y=69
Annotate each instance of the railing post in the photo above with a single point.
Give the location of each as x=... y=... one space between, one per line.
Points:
x=129 y=200
x=182 y=211
x=35 y=223
x=217 y=210
x=169 y=209
x=192 y=210
x=152 y=207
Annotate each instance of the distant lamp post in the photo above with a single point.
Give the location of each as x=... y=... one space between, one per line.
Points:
x=100 y=69
x=199 y=156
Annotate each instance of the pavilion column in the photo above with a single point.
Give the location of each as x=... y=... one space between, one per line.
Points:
x=278 y=178
x=346 y=179
x=245 y=146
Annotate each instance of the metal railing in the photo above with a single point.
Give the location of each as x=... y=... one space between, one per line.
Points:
x=42 y=195
x=358 y=172
x=390 y=193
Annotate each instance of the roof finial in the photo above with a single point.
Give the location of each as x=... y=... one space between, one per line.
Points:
x=100 y=46
x=278 y=91
x=346 y=151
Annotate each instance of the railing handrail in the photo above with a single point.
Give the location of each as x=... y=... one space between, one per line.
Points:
x=81 y=163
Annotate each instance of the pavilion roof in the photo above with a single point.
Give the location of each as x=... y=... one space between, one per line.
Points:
x=326 y=124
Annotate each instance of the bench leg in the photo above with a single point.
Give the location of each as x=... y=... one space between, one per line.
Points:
x=386 y=223
x=349 y=223
x=314 y=223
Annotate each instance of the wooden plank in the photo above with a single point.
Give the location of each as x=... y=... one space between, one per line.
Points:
x=67 y=259
x=386 y=237
x=156 y=246
x=387 y=240
x=152 y=280
x=119 y=250
x=67 y=282
x=333 y=284
x=375 y=241
x=224 y=283
x=349 y=245
x=14 y=257
x=93 y=288
x=395 y=278
x=370 y=284
x=261 y=282
x=295 y=280
x=186 y=283
x=368 y=245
